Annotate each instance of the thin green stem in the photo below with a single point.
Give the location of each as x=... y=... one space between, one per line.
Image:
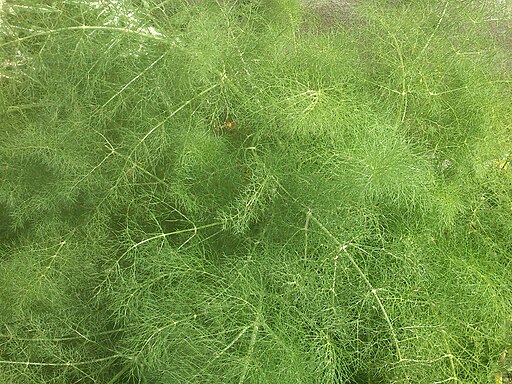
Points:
x=373 y=291
x=92 y=28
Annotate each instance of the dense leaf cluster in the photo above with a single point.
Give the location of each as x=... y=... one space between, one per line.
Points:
x=237 y=192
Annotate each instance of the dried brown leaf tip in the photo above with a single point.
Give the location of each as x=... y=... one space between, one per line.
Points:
x=226 y=123
x=229 y=125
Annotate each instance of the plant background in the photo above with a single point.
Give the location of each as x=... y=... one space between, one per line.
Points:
x=254 y=191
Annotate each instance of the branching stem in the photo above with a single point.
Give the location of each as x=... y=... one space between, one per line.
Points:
x=373 y=291
x=88 y=28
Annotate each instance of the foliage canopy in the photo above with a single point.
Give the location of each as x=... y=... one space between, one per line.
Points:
x=240 y=192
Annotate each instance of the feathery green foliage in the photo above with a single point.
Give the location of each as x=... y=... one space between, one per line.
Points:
x=236 y=192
